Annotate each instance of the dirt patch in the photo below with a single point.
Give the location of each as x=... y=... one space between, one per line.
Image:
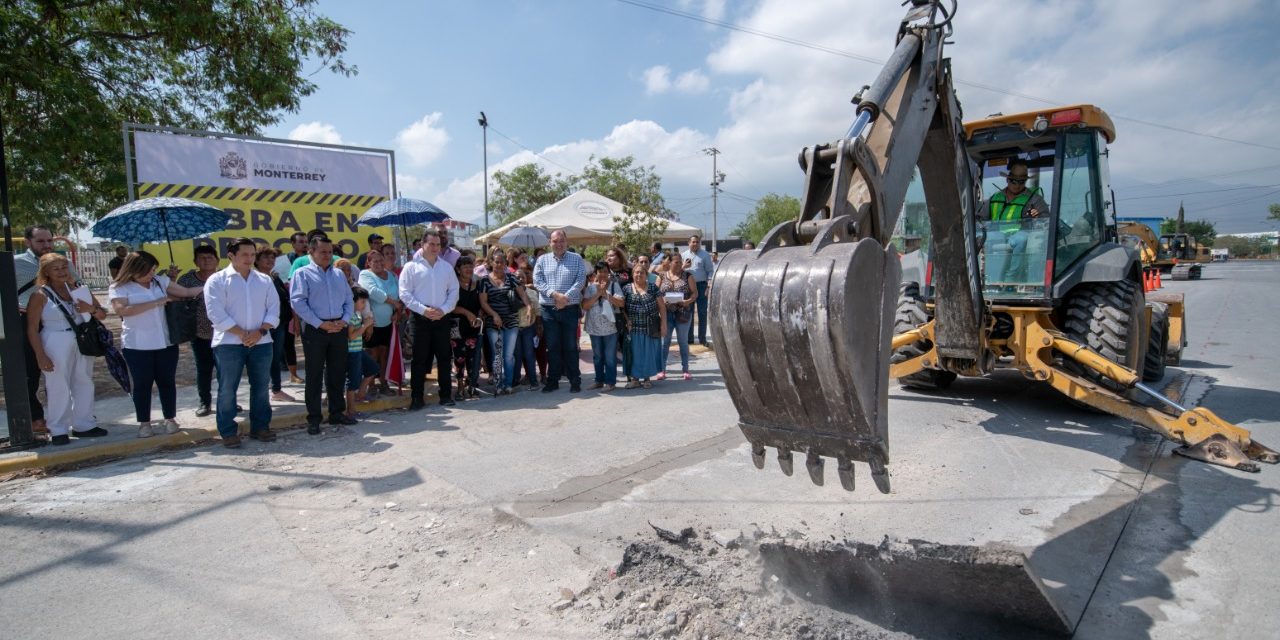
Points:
x=712 y=586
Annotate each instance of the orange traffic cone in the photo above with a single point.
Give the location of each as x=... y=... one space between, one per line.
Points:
x=1147 y=281
x=1159 y=285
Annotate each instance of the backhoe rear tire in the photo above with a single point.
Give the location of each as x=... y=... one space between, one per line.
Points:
x=911 y=314
x=1157 y=344
x=1107 y=317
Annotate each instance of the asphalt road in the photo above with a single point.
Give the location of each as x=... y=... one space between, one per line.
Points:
x=468 y=522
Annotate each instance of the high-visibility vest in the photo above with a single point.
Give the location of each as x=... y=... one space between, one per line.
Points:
x=1002 y=210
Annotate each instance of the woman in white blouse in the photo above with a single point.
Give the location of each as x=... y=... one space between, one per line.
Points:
x=53 y=313
x=139 y=295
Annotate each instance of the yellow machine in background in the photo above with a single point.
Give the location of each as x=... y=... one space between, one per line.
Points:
x=1185 y=255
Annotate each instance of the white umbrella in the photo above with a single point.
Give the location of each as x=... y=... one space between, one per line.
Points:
x=525 y=238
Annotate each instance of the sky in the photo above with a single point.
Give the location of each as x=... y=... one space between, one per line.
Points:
x=1190 y=85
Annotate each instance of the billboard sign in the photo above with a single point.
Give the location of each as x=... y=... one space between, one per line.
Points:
x=271 y=189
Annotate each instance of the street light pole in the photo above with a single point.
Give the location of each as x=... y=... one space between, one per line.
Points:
x=484 y=128
x=717 y=179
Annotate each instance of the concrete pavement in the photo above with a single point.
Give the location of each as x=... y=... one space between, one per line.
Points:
x=490 y=509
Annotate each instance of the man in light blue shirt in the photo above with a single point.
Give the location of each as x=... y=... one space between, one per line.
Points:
x=698 y=264
x=243 y=308
x=321 y=298
x=559 y=277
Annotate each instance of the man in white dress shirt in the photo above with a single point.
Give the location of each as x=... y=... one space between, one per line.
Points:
x=243 y=307
x=429 y=289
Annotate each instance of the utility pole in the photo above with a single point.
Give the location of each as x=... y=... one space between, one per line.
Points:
x=717 y=179
x=484 y=128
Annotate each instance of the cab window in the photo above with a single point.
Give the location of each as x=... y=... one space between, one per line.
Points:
x=1079 y=203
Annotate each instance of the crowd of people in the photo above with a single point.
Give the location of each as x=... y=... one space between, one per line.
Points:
x=511 y=316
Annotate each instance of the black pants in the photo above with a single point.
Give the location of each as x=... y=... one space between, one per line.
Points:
x=33 y=374
x=326 y=356
x=431 y=343
x=203 y=351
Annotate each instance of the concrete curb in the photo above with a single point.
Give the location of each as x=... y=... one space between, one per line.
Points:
x=44 y=458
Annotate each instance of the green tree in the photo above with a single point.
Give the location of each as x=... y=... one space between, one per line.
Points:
x=771 y=210
x=72 y=72
x=1238 y=246
x=636 y=229
x=524 y=189
x=1274 y=212
x=633 y=185
x=1202 y=230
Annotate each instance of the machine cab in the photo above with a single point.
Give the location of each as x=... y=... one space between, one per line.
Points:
x=1064 y=151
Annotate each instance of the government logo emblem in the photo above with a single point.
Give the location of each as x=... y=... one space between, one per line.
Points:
x=233 y=167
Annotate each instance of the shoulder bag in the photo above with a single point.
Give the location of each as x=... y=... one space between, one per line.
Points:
x=88 y=338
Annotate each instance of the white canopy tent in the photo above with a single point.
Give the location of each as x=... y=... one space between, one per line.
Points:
x=587 y=218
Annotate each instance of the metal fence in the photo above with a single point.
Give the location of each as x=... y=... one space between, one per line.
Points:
x=92 y=265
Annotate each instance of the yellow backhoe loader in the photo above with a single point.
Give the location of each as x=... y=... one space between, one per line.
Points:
x=811 y=327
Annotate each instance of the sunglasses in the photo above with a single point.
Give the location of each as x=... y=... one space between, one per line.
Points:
x=1018 y=180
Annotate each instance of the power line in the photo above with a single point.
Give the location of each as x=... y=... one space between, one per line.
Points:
x=1178 y=181
x=512 y=141
x=1232 y=204
x=976 y=85
x=1192 y=193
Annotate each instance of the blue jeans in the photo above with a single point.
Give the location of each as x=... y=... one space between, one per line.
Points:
x=604 y=354
x=232 y=360
x=702 y=316
x=560 y=330
x=504 y=356
x=525 y=356
x=279 y=338
x=682 y=331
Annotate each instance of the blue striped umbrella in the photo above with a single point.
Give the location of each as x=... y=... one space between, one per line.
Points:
x=402 y=211
x=156 y=219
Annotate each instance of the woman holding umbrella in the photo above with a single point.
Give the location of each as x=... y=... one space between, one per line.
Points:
x=138 y=295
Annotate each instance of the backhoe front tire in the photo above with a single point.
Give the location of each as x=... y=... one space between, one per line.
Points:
x=1107 y=317
x=911 y=314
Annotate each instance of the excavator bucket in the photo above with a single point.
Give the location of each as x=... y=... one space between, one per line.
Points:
x=802 y=334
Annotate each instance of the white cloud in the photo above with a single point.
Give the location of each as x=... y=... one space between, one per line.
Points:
x=657 y=79
x=411 y=186
x=316 y=132
x=423 y=142
x=692 y=81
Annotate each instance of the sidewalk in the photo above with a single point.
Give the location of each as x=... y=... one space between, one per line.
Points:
x=116 y=415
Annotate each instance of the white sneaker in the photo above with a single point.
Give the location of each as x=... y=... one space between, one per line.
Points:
x=170 y=425
x=144 y=430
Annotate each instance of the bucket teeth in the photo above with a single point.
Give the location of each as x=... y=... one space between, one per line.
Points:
x=785 y=461
x=813 y=462
x=880 y=475
x=844 y=469
x=757 y=455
